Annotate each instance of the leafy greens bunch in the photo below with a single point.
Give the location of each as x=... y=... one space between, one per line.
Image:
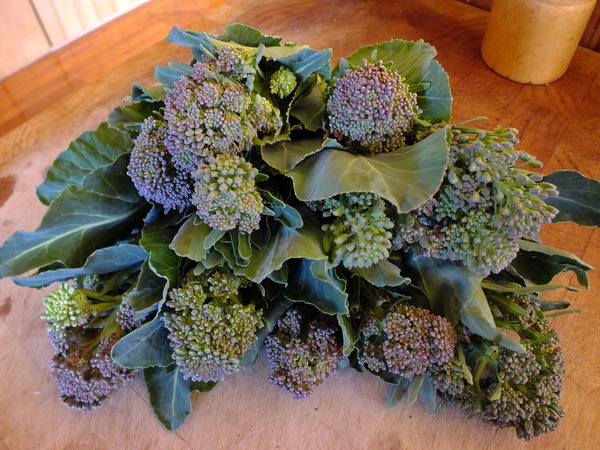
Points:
x=256 y=196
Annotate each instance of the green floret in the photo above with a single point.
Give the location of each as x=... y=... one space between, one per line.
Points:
x=283 y=82
x=209 y=113
x=371 y=108
x=209 y=335
x=360 y=232
x=225 y=194
x=67 y=307
x=486 y=203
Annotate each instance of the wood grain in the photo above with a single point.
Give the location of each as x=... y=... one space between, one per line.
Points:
x=558 y=124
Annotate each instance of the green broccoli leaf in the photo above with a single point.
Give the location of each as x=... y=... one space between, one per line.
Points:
x=146 y=346
x=79 y=221
x=406 y=178
x=307 y=61
x=456 y=293
x=285 y=155
x=189 y=240
x=169 y=395
x=128 y=116
x=350 y=334
x=541 y=269
x=148 y=292
x=246 y=35
x=383 y=273
x=309 y=109
x=156 y=240
x=414 y=61
x=285 y=244
x=91 y=150
x=578 y=200
x=104 y=260
x=396 y=393
x=314 y=283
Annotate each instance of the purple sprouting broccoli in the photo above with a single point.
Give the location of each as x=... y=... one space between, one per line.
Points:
x=407 y=342
x=152 y=170
x=302 y=354
x=371 y=108
x=485 y=204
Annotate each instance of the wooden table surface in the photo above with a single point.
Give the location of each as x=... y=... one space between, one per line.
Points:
x=558 y=124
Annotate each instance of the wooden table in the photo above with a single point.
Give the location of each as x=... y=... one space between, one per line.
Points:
x=558 y=124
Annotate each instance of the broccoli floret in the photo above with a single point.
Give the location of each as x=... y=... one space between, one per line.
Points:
x=209 y=335
x=225 y=194
x=232 y=61
x=83 y=379
x=210 y=113
x=67 y=307
x=360 y=232
x=283 y=82
x=371 y=108
x=152 y=170
x=302 y=354
x=485 y=204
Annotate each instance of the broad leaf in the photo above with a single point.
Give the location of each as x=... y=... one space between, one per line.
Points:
x=285 y=155
x=169 y=395
x=406 y=178
x=105 y=260
x=414 y=61
x=310 y=109
x=246 y=35
x=85 y=154
x=350 y=334
x=554 y=254
x=382 y=273
x=189 y=240
x=396 y=393
x=308 y=61
x=78 y=221
x=285 y=244
x=539 y=268
x=125 y=117
x=413 y=388
x=169 y=75
x=144 y=347
x=314 y=283
x=578 y=200
x=455 y=293
x=164 y=261
x=148 y=292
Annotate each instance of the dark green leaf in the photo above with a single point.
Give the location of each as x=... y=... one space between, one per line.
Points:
x=246 y=35
x=314 y=283
x=550 y=306
x=169 y=396
x=156 y=240
x=382 y=273
x=540 y=269
x=85 y=154
x=523 y=290
x=406 y=178
x=104 y=260
x=144 y=347
x=285 y=155
x=189 y=240
x=414 y=387
x=78 y=221
x=310 y=108
x=350 y=334
x=285 y=244
x=124 y=116
x=555 y=254
x=202 y=386
x=308 y=61
x=148 y=292
x=578 y=200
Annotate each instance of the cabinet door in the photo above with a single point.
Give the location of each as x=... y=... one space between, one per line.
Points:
x=23 y=39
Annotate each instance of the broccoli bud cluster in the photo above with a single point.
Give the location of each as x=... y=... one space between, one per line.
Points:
x=371 y=108
x=485 y=204
x=85 y=380
x=225 y=194
x=209 y=335
x=152 y=170
x=407 y=342
x=521 y=390
x=67 y=307
x=360 y=232
x=283 y=82
x=302 y=354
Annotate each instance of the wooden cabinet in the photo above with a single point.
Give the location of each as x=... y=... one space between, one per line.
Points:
x=31 y=29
